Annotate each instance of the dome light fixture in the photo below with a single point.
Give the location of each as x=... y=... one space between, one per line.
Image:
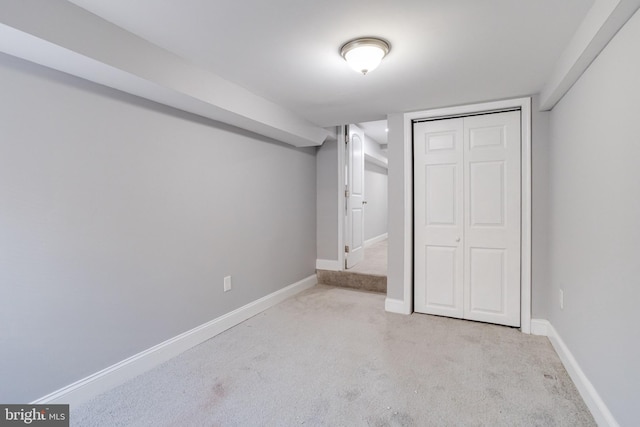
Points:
x=365 y=54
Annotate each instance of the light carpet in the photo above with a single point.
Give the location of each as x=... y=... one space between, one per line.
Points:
x=375 y=260
x=334 y=357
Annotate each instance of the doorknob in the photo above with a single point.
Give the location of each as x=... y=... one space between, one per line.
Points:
x=457 y=239
x=364 y=202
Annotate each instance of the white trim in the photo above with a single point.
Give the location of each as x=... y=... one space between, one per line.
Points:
x=592 y=399
x=375 y=240
x=408 y=213
x=341 y=198
x=526 y=184
x=106 y=379
x=525 y=106
x=328 y=264
x=540 y=327
x=397 y=306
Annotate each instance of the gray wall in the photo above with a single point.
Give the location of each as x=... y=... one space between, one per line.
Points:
x=119 y=219
x=539 y=211
x=327 y=200
x=397 y=257
x=594 y=231
x=375 y=193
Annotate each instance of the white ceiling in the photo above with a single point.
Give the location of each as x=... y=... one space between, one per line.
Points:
x=444 y=52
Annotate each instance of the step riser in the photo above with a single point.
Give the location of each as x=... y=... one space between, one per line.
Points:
x=345 y=279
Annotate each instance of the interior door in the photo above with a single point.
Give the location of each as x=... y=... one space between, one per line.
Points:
x=438 y=220
x=355 y=196
x=467 y=217
x=492 y=218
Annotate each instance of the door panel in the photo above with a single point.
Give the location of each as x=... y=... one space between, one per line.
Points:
x=441 y=186
x=443 y=141
x=467 y=217
x=442 y=279
x=484 y=137
x=486 y=193
x=492 y=219
x=487 y=280
x=439 y=217
x=355 y=188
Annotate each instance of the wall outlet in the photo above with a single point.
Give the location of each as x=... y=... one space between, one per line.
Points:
x=227 y=283
x=561 y=299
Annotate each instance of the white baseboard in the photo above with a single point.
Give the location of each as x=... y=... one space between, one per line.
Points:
x=328 y=264
x=91 y=386
x=396 y=306
x=376 y=239
x=540 y=327
x=599 y=410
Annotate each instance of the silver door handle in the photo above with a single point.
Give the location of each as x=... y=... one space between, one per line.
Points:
x=457 y=239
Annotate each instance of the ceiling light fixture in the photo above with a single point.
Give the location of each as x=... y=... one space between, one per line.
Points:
x=365 y=54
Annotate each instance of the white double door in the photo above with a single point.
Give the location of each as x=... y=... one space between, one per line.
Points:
x=467 y=217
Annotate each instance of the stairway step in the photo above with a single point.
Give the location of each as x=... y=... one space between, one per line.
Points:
x=347 y=279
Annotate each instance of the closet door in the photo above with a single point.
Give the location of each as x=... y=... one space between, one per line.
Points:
x=439 y=192
x=467 y=217
x=492 y=218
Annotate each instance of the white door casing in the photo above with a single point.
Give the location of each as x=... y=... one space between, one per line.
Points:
x=467 y=217
x=354 y=197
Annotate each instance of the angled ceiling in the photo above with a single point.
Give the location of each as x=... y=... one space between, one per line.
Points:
x=273 y=67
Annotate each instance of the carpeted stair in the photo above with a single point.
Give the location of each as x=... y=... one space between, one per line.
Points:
x=347 y=279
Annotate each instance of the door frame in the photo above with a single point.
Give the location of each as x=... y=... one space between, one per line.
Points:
x=525 y=226
x=342 y=203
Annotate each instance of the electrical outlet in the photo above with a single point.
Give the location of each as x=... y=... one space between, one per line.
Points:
x=561 y=299
x=227 y=283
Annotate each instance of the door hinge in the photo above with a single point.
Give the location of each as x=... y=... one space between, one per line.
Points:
x=346 y=193
x=346 y=248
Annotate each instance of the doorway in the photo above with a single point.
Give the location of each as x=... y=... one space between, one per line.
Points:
x=366 y=198
x=401 y=258
x=467 y=217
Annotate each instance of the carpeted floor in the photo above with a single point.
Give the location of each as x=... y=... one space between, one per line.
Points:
x=375 y=260
x=334 y=357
